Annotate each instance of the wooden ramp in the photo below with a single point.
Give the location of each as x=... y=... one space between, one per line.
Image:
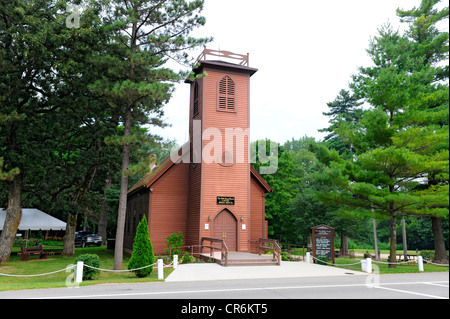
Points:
x=240 y=259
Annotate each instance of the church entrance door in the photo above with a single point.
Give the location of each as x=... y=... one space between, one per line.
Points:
x=225 y=227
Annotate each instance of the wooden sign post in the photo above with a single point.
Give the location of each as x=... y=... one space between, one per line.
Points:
x=323 y=241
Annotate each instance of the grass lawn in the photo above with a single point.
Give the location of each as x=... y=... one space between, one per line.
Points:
x=384 y=268
x=38 y=266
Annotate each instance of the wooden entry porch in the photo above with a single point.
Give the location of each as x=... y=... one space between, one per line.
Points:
x=217 y=251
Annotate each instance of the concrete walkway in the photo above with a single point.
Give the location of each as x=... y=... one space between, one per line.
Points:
x=287 y=269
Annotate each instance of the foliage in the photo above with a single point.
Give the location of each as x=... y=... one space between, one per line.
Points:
x=188 y=258
x=92 y=260
x=322 y=260
x=174 y=242
x=144 y=35
x=142 y=251
x=344 y=109
x=285 y=187
x=429 y=254
x=401 y=142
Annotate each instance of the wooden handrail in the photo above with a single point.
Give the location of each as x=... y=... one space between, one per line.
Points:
x=223 y=247
x=243 y=59
x=275 y=248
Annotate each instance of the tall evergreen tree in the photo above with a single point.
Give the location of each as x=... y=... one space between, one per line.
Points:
x=432 y=45
x=147 y=33
x=30 y=49
x=395 y=150
x=345 y=108
x=142 y=255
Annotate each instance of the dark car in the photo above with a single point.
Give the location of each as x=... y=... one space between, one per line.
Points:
x=86 y=238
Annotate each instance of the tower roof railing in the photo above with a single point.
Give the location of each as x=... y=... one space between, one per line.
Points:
x=243 y=59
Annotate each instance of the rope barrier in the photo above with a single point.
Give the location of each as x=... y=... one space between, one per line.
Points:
x=48 y=273
x=120 y=270
x=86 y=265
x=429 y=262
x=393 y=263
x=358 y=263
x=381 y=262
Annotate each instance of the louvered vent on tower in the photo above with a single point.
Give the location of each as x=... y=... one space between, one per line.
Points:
x=196 y=98
x=227 y=94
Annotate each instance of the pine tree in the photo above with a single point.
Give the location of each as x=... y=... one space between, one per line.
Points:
x=142 y=251
x=432 y=45
x=344 y=109
x=146 y=34
x=398 y=144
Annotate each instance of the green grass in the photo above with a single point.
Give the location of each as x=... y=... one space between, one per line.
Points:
x=38 y=266
x=384 y=268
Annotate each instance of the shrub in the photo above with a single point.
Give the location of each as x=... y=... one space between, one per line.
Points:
x=322 y=260
x=285 y=256
x=142 y=251
x=174 y=242
x=91 y=260
x=187 y=258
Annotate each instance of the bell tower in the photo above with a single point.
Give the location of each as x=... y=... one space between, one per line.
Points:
x=219 y=192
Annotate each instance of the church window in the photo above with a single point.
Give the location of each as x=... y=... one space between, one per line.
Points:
x=227 y=94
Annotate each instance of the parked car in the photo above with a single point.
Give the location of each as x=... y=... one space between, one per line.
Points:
x=86 y=238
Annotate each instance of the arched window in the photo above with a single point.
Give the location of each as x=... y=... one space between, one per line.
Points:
x=227 y=95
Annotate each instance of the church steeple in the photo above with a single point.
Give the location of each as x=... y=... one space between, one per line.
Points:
x=219 y=135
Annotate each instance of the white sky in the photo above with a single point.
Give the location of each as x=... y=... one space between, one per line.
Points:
x=306 y=52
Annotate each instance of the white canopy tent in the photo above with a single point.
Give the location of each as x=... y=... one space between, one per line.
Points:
x=34 y=219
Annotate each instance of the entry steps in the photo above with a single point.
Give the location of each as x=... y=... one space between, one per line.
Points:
x=241 y=259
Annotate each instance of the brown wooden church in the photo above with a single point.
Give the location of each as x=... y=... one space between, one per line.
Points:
x=222 y=199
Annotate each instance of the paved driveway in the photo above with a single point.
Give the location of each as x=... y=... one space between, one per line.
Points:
x=287 y=269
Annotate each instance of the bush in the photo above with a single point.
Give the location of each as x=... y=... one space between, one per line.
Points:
x=285 y=256
x=187 y=258
x=174 y=242
x=142 y=251
x=91 y=260
x=322 y=260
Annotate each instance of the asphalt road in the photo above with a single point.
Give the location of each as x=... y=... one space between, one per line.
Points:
x=225 y=292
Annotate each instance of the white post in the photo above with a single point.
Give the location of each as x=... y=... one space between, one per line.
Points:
x=368 y=265
x=364 y=265
x=79 y=272
x=160 y=269
x=308 y=257
x=175 y=262
x=420 y=262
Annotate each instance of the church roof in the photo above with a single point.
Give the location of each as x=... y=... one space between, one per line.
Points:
x=159 y=170
x=167 y=163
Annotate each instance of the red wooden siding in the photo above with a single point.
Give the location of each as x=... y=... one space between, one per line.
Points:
x=256 y=215
x=183 y=197
x=218 y=180
x=168 y=206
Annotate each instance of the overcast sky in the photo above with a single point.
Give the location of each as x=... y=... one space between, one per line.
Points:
x=306 y=52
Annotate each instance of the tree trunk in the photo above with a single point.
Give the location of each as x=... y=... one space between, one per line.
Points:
x=118 y=251
x=103 y=220
x=13 y=217
x=375 y=239
x=393 y=242
x=405 y=244
x=69 y=238
x=393 y=225
x=344 y=245
x=440 y=255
